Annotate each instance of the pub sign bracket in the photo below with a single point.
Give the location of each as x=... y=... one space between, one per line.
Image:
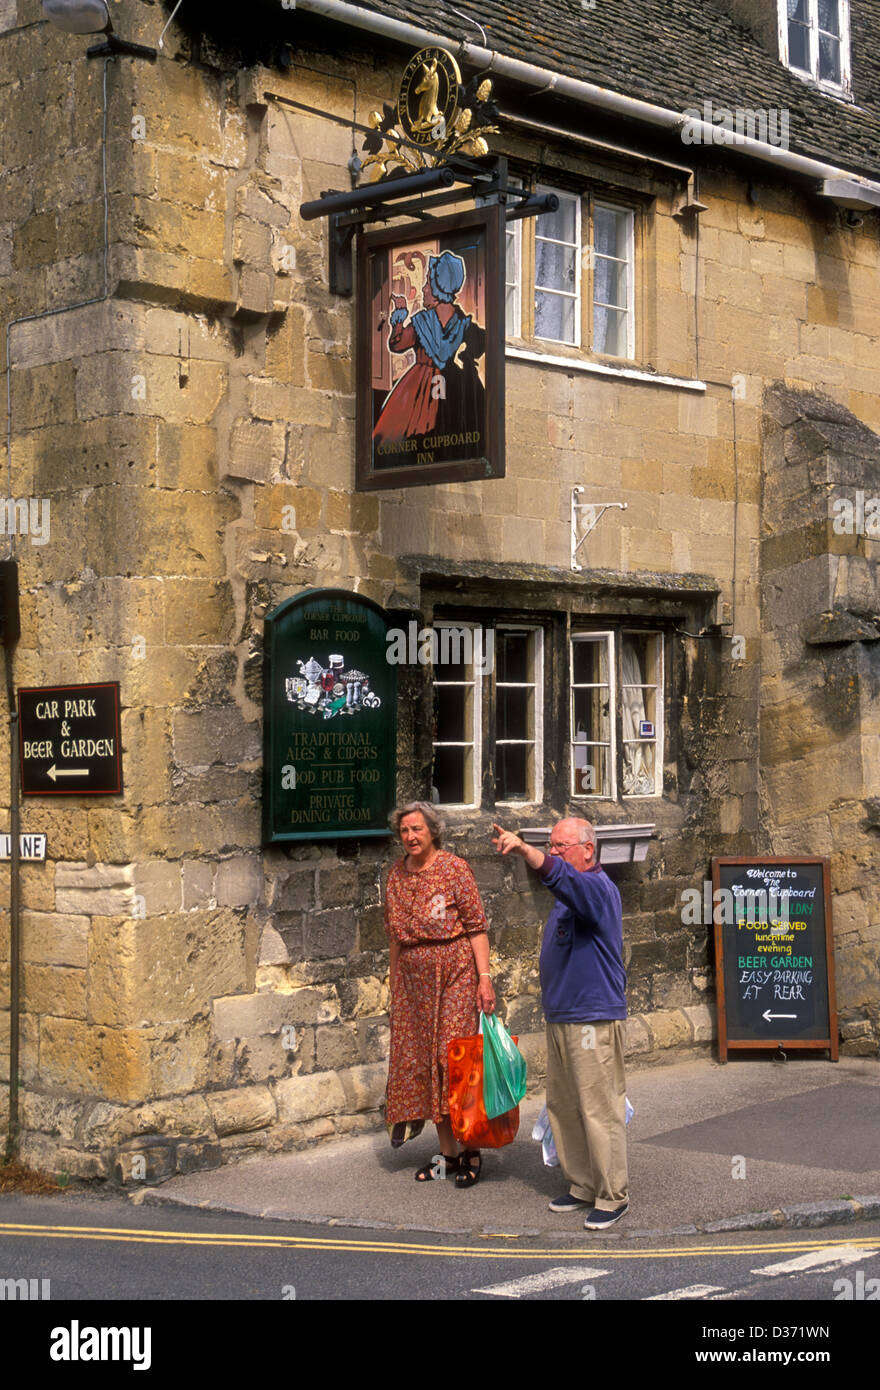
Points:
x=405 y=196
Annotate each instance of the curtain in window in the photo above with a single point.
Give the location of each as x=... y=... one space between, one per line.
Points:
x=637 y=779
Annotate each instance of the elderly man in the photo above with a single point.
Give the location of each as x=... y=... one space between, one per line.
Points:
x=583 y=986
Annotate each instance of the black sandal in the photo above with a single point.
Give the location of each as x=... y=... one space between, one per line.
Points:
x=429 y=1174
x=470 y=1166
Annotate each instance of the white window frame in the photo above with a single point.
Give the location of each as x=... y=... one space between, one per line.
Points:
x=538 y=684
x=476 y=743
x=630 y=278
x=606 y=635
x=513 y=236
x=659 y=686
x=844 y=85
x=577 y=246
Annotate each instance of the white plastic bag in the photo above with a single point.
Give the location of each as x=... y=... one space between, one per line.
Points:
x=543 y=1134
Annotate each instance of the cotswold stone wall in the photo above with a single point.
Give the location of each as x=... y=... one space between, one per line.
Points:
x=820 y=686
x=188 y=996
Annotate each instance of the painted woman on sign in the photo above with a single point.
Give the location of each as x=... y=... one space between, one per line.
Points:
x=442 y=391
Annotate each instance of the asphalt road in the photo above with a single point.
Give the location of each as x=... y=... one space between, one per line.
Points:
x=109 y=1250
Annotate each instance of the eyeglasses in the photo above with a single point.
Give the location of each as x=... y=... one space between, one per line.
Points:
x=551 y=848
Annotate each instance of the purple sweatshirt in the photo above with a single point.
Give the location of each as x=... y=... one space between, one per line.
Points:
x=582 y=974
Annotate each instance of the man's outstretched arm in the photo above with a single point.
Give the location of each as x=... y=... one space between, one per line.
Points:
x=507 y=843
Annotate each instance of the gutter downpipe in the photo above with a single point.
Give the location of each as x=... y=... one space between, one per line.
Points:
x=585 y=93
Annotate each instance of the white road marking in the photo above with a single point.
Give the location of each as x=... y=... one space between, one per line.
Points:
x=537 y=1283
x=818 y=1261
x=692 y=1291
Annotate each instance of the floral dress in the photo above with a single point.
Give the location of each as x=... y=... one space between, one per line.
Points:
x=432 y=912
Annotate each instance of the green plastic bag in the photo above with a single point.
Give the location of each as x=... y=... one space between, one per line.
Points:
x=504 y=1068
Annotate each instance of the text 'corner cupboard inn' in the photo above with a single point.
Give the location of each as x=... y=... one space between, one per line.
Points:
x=471 y=405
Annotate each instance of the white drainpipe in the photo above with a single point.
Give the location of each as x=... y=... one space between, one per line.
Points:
x=854 y=191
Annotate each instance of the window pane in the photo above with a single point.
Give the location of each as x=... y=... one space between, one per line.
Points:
x=512 y=656
x=798 y=47
x=453 y=719
x=510 y=311
x=554 y=317
x=590 y=663
x=514 y=712
x=609 y=331
x=638 y=768
x=797 y=9
x=591 y=716
x=610 y=282
x=513 y=777
x=639 y=677
x=829 y=59
x=829 y=16
x=610 y=232
x=590 y=770
x=555 y=266
x=452 y=777
x=560 y=225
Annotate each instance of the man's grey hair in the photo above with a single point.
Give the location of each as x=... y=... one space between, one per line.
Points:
x=585 y=829
x=433 y=821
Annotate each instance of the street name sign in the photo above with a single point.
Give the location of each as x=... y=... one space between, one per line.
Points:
x=69 y=740
x=30 y=847
x=774 y=956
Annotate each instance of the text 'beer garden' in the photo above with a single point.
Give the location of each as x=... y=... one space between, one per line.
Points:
x=70 y=740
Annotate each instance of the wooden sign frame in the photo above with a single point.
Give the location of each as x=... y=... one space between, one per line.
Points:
x=829 y=1043
x=398 y=260
x=329 y=721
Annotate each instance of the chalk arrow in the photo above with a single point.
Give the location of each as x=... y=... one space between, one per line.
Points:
x=55 y=772
x=767 y=1014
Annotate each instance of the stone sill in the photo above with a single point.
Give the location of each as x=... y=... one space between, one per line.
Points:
x=579 y=364
x=617 y=844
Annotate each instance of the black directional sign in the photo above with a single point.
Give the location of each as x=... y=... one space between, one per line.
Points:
x=774 y=954
x=69 y=740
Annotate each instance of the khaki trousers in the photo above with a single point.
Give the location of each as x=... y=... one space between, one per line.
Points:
x=586 y=1103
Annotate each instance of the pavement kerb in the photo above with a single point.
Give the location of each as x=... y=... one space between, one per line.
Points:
x=804 y=1216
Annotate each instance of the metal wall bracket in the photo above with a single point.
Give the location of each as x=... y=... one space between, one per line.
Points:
x=341 y=275
x=349 y=212
x=590 y=514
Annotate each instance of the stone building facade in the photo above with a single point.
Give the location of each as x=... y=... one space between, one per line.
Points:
x=181 y=386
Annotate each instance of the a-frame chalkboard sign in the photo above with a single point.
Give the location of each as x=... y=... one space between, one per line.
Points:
x=774 y=954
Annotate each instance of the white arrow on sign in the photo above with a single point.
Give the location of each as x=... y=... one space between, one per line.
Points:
x=767 y=1014
x=54 y=772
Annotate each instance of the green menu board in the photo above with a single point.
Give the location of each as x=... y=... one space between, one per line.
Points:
x=329 y=719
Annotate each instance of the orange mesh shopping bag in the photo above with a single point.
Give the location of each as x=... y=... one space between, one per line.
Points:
x=467 y=1113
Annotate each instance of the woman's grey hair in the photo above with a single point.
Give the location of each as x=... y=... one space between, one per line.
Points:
x=435 y=823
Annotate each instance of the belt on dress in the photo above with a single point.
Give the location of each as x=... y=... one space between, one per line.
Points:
x=434 y=940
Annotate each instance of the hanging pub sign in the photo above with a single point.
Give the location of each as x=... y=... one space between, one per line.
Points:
x=774 y=955
x=430 y=368
x=330 y=717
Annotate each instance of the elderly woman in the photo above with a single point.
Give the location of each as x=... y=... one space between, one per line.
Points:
x=439 y=957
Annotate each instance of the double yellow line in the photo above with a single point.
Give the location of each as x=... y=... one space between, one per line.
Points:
x=374 y=1246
